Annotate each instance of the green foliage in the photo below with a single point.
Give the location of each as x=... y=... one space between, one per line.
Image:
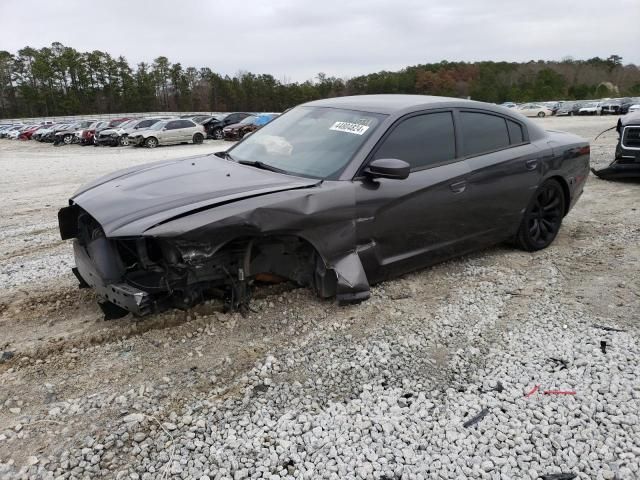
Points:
x=60 y=80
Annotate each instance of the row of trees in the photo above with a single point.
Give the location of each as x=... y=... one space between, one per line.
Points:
x=60 y=80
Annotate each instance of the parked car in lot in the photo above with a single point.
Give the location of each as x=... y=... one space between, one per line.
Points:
x=37 y=134
x=634 y=108
x=167 y=132
x=319 y=196
x=26 y=134
x=68 y=135
x=116 y=122
x=120 y=135
x=85 y=136
x=114 y=135
x=248 y=125
x=4 y=133
x=49 y=134
x=553 y=106
x=15 y=134
x=626 y=162
x=534 y=110
x=590 y=108
x=216 y=124
x=569 y=108
x=509 y=104
x=627 y=104
x=613 y=107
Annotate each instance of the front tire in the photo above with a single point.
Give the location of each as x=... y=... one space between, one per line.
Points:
x=67 y=139
x=542 y=218
x=123 y=141
x=217 y=134
x=151 y=142
x=198 y=138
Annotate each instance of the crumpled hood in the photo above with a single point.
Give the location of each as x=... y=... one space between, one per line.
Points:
x=131 y=201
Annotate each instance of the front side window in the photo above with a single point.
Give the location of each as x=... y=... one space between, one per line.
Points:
x=482 y=133
x=421 y=141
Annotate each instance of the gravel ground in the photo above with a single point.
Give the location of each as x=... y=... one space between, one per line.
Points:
x=498 y=365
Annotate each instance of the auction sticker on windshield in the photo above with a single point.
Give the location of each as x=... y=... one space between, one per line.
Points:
x=349 y=127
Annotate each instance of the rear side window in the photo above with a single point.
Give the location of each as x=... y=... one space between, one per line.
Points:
x=173 y=125
x=421 y=141
x=186 y=124
x=516 y=136
x=482 y=133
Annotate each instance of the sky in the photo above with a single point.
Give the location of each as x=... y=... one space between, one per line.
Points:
x=294 y=40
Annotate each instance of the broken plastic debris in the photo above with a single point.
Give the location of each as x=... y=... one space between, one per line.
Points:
x=533 y=390
x=559 y=476
x=609 y=329
x=483 y=413
x=559 y=392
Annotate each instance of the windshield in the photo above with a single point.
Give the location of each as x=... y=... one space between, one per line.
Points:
x=313 y=142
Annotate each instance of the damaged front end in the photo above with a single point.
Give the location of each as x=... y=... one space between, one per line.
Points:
x=626 y=163
x=147 y=274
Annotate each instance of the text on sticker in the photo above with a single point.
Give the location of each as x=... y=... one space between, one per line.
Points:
x=349 y=127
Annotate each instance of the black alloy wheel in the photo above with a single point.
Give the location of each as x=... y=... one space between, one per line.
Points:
x=217 y=134
x=543 y=217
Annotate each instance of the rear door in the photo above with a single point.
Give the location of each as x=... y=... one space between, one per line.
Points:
x=186 y=131
x=505 y=170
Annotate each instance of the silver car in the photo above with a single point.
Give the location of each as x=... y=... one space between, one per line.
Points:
x=167 y=132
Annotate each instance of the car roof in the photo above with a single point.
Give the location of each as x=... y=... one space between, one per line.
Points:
x=388 y=103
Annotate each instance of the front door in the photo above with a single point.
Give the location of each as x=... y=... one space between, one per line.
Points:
x=406 y=224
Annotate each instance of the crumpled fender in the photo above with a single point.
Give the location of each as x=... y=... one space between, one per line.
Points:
x=324 y=216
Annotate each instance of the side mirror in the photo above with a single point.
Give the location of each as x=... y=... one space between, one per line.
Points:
x=388 y=168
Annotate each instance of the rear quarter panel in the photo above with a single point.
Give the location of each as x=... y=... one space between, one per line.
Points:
x=569 y=160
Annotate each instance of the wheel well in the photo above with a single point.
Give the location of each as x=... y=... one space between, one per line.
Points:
x=287 y=256
x=565 y=190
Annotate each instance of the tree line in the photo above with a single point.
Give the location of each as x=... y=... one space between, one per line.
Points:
x=60 y=80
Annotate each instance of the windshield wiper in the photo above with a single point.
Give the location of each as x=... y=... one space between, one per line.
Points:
x=261 y=165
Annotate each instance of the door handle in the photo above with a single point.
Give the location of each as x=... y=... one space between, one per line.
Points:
x=458 y=187
x=531 y=164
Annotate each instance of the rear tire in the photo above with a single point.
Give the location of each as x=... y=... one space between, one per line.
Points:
x=151 y=142
x=542 y=218
x=540 y=114
x=123 y=141
x=67 y=139
x=198 y=138
x=217 y=134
